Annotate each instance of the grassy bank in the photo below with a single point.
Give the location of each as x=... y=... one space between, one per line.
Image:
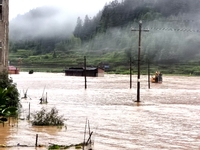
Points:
x=118 y=63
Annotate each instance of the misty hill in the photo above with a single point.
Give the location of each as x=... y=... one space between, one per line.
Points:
x=42 y=22
x=174 y=29
x=174 y=34
x=120 y=14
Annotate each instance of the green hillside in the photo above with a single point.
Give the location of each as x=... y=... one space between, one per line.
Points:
x=171 y=45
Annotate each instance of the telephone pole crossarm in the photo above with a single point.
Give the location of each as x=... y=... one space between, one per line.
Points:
x=143 y=30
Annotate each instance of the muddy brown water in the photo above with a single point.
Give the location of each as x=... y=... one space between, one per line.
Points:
x=167 y=118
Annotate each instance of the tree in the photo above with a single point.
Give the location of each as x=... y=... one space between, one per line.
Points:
x=54 y=54
x=78 y=29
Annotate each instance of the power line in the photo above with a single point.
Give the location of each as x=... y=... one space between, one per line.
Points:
x=171 y=20
x=174 y=29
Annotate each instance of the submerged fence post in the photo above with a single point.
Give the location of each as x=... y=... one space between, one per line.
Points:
x=130 y=73
x=85 y=72
x=46 y=97
x=89 y=133
x=84 y=135
x=29 y=108
x=148 y=74
x=36 y=140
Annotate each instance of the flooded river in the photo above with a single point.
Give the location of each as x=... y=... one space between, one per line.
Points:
x=167 y=118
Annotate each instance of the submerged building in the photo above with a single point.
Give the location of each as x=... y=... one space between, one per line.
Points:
x=4 y=30
x=90 y=72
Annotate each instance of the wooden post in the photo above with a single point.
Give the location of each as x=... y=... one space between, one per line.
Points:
x=130 y=73
x=29 y=108
x=84 y=134
x=89 y=131
x=89 y=139
x=17 y=120
x=148 y=74
x=46 y=97
x=89 y=127
x=25 y=94
x=36 y=140
x=85 y=72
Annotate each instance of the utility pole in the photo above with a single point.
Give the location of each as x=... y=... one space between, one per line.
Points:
x=85 y=72
x=139 y=47
x=130 y=73
x=148 y=74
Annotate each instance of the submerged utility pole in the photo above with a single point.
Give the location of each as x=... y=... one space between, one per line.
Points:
x=148 y=74
x=130 y=73
x=85 y=72
x=139 y=47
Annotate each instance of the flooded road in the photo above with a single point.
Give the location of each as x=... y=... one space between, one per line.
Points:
x=167 y=118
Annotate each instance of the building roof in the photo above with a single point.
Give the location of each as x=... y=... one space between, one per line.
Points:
x=12 y=68
x=81 y=69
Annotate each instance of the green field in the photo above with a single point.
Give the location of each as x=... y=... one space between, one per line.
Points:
x=118 y=63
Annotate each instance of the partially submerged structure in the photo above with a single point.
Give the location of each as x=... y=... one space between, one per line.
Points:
x=89 y=71
x=4 y=23
x=157 y=78
x=13 y=70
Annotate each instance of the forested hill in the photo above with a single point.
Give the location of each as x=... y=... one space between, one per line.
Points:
x=119 y=14
x=174 y=31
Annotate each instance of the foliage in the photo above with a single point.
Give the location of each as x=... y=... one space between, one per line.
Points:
x=55 y=146
x=9 y=97
x=9 y=91
x=10 y=112
x=44 y=118
x=3 y=100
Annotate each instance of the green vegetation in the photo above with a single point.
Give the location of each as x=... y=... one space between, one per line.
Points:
x=119 y=63
x=9 y=98
x=44 y=118
x=55 y=146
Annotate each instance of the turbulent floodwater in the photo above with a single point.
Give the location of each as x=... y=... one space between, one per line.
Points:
x=167 y=118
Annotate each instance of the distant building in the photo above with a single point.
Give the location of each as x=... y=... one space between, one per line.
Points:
x=90 y=72
x=4 y=22
x=13 y=70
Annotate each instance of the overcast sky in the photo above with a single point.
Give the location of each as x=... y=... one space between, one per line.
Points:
x=78 y=7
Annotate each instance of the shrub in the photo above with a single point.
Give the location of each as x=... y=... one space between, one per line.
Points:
x=44 y=118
